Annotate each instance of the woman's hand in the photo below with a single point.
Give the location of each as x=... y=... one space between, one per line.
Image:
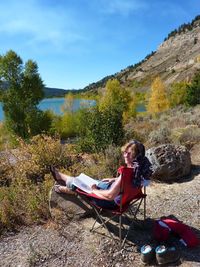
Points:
x=94 y=186
x=108 y=180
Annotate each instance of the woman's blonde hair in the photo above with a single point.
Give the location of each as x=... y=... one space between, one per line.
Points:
x=133 y=146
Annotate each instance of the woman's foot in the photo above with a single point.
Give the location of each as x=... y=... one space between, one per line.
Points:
x=56 y=175
x=63 y=189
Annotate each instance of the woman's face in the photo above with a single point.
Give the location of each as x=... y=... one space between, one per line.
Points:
x=128 y=156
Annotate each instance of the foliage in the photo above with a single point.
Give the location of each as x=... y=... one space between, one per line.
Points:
x=69 y=102
x=115 y=96
x=178 y=93
x=24 y=197
x=67 y=125
x=139 y=129
x=7 y=139
x=193 y=91
x=23 y=203
x=160 y=136
x=100 y=128
x=140 y=96
x=131 y=111
x=103 y=124
x=24 y=91
x=99 y=165
x=184 y=27
x=158 y=101
x=136 y=84
x=188 y=136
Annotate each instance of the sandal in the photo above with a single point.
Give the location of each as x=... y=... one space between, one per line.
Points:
x=63 y=189
x=53 y=172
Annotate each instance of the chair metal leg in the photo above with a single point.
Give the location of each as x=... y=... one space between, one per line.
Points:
x=145 y=204
x=145 y=208
x=103 y=222
x=120 y=232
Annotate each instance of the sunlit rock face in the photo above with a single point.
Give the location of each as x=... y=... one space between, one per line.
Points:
x=170 y=162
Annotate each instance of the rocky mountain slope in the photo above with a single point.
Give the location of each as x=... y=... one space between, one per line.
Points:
x=176 y=59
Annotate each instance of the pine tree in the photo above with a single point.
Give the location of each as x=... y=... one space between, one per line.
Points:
x=193 y=91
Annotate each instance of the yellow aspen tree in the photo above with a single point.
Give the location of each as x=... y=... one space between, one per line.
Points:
x=131 y=111
x=158 y=100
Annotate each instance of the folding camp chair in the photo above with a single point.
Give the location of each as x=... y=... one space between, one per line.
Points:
x=130 y=203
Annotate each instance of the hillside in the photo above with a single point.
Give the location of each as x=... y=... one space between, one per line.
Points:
x=176 y=59
x=54 y=92
x=49 y=92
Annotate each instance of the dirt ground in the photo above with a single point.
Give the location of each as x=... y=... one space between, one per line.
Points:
x=68 y=242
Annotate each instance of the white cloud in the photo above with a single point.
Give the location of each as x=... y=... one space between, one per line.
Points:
x=122 y=7
x=50 y=25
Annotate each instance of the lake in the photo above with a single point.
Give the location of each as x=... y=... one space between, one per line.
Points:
x=55 y=105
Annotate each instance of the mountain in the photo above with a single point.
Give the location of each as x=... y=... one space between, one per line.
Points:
x=55 y=92
x=48 y=92
x=176 y=59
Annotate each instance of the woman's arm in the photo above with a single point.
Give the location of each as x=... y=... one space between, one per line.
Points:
x=110 y=193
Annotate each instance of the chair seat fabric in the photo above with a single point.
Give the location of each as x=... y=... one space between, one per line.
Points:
x=128 y=192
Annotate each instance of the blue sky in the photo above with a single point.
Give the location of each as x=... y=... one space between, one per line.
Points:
x=77 y=42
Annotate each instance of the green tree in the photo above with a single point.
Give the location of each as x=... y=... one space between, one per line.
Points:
x=115 y=96
x=103 y=125
x=24 y=92
x=158 y=101
x=178 y=93
x=193 y=91
x=100 y=129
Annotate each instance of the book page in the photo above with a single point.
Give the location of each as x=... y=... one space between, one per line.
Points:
x=84 y=182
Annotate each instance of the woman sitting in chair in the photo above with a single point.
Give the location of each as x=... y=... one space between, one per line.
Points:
x=109 y=189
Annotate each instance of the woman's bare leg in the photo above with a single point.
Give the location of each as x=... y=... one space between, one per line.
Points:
x=67 y=179
x=63 y=189
x=62 y=176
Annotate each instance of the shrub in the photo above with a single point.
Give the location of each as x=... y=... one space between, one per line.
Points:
x=101 y=129
x=178 y=93
x=160 y=136
x=70 y=124
x=23 y=203
x=7 y=139
x=187 y=136
x=24 y=199
x=140 y=128
x=99 y=165
x=193 y=91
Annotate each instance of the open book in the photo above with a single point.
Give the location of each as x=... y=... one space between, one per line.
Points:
x=84 y=182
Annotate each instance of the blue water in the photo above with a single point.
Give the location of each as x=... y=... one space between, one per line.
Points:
x=55 y=104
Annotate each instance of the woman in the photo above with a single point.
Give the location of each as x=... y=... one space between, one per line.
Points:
x=109 y=189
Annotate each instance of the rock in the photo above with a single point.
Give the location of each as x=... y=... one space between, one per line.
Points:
x=195 y=155
x=170 y=162
x=71 y=205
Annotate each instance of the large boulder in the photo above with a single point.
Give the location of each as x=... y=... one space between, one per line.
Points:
x=169 y=162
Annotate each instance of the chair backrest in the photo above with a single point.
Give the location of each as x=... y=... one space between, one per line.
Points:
x=127 y=191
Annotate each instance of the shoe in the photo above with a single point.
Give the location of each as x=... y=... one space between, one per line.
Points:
x=63 y=189
x=165 y=255
x=147 y=254
x=53 y=172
